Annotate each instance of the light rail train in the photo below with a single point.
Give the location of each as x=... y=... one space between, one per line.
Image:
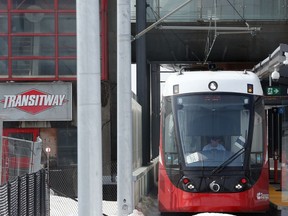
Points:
x=213 y=143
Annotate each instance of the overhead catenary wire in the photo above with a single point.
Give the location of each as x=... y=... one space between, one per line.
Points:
x=160 y=20
x=157 y=17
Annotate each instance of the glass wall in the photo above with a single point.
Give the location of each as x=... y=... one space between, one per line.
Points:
x=38 y=39
x=198 y=10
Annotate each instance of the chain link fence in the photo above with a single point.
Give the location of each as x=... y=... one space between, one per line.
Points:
x=20 y=158
x=63 y=185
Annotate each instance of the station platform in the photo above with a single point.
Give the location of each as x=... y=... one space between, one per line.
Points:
x=278 y=200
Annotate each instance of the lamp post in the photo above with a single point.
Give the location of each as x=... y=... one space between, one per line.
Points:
x=48 y=150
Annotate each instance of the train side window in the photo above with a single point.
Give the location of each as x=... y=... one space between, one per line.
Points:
x=170 y=148
x=257 y=146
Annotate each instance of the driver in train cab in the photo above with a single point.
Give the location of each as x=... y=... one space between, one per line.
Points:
x=215 y=144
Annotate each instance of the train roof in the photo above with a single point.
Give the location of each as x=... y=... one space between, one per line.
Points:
x=213 y=81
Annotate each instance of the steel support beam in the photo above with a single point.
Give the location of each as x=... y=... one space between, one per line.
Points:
x=274 y=60
x=143 y=80
x=155 y=88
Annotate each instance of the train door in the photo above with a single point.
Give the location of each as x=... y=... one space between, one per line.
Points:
x=284 y=149
x=16 y=151
x=278 y=144
x=274 y=139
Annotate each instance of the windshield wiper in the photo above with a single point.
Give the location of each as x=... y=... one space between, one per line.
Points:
x=228 y=161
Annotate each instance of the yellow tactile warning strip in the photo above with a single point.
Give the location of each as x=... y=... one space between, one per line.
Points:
x=278 y=198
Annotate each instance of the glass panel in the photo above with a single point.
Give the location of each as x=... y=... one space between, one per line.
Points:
x=3 y=4
x=33 y=22
x=169 y=138
x=3 y=23
x=67 y=23
x=220 y=9
x=3 y=67
x=32 y=5
x=3 y=46
x=33 y=46
x=67 y=4
x=67 y=67
x=258 y=135
x=133 y=10
x=170 y=147
x=212 y=128
x=33 y=67
x=265 y=9
x=67 y=146
x=67 y=45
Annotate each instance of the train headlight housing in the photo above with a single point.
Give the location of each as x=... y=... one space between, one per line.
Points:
x=242 y=184
x=187 y=184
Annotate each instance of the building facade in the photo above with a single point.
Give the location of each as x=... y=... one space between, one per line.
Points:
x=37 y=66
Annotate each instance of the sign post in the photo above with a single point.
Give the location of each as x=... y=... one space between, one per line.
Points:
x=48 y=150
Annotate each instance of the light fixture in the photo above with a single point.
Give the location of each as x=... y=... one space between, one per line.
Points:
x=275 y=75
x=213 y=86
x=187 y=184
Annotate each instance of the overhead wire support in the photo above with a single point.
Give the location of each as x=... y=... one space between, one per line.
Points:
x=246 y=23
x=159 y=21
x=215 y=35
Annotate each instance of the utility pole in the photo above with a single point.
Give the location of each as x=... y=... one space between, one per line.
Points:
x=89 y=109
x=124 y=110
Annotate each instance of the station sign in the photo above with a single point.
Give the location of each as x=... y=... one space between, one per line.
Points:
x=36 y=101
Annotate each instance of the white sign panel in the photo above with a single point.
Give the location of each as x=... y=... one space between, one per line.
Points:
x=36 y=101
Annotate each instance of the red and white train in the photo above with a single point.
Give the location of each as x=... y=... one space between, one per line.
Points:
x=197 y=107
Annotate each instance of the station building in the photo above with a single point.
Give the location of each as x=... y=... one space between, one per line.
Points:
x=38 y=74
x=38 y=81
x=38 y=77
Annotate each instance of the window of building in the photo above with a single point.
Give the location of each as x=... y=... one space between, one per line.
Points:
x=38 y=39
x=3 y=4
x=32 y=23
x=32 y=5
x=3 y=22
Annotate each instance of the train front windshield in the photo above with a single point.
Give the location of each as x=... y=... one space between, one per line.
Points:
x=213 y=130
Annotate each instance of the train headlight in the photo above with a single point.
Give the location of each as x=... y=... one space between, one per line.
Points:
x=242 y=184
x=187 y=184
x=238 y=187
x=190 y=186
x=175 y=89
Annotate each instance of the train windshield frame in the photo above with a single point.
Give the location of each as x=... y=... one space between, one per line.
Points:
x=213 y=130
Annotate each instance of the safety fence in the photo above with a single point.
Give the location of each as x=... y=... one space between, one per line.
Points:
x=25 y=195
x=64 y=192
x=19 y=157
